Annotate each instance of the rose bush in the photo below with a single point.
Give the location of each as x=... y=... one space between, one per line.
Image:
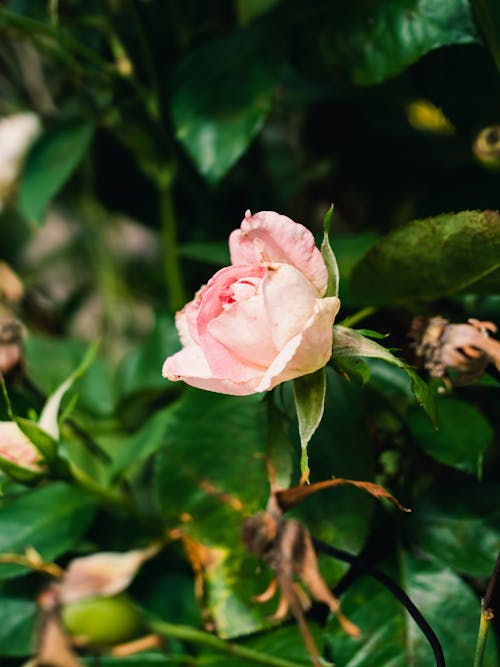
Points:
x=264 y=319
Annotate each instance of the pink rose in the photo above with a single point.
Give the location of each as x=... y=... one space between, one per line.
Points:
x=261 y=321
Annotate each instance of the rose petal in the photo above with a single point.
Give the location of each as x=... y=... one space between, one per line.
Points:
x=191 y=366
x=214 y=300
x=308 y=351
x=269 y=237
x=289 y=300
x=245 y=330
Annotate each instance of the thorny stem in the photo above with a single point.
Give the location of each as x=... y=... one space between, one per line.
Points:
x=195 y=636
x=486 y=615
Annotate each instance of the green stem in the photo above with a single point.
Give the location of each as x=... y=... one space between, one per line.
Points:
x=484 y=624
x=357 y=317
x=172 y=271
x=486 y=614
x=201 y=638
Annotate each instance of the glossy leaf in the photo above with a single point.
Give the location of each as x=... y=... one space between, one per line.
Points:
x=392 y=35
x=17 y=627
x=350 y=344
x=431 y=258
x=49 y=164
x=391 y=637
x=463 y=435
x=459 y=526
x=487 y=14
x=203 y=469
x=217 y=111
x=50 y=519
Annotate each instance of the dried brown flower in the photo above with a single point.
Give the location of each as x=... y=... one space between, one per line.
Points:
x=463 y=349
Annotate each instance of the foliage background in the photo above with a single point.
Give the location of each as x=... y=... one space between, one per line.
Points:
x=163 y=122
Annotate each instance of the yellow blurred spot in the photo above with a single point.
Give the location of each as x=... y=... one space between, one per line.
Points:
x=426 y=117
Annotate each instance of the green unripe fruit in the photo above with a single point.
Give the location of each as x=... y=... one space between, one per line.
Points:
x=102 y=620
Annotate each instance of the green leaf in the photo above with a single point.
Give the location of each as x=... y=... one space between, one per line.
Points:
x=52 y=360
x=463 y=435
x=309 y=395
x=51 y=519
x=390 y=637
x=143 y=659
x=350 y=344
x=431 y=258
x=211 y=468
x=487 y=14
x=217 y=111
x=458 y=525
x=329 y=257
x=50 y=163
x=141 y=369
x=210 y=252
x=370 y=41
x=342 y=448
x=17 y=627
x=148 y=439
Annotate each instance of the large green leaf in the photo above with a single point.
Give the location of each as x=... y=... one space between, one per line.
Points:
x=50 y=163
x=51 y=519
x=211 y=471
x=390 y=637
x=487 y=14
x=431 y=258
x=17 y=627
x=342 y=448
x=371 y=40
x=222 y=96
x=463 y=434
x=459 y=526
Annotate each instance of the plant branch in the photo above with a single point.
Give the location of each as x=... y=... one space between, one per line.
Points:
x=201 y=638
x=486 y=615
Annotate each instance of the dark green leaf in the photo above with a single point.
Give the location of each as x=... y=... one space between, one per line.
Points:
x=95 y=388
x=222 y=97
x=487 y=14
x=459 y=526
x=350 y=344
x=146 y=440
x=17 y=627
x=309 y=394
x=141 y=368
x=212 y=468
x=49 y=164
x=214 y=252
x=50 y=519
x=390 y=637
x=463 y=435
x=371 y=40
x=431 y=258
x=342 y=448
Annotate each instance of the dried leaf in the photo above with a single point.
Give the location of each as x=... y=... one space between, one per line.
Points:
x=288 y=498
x=102 y=574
